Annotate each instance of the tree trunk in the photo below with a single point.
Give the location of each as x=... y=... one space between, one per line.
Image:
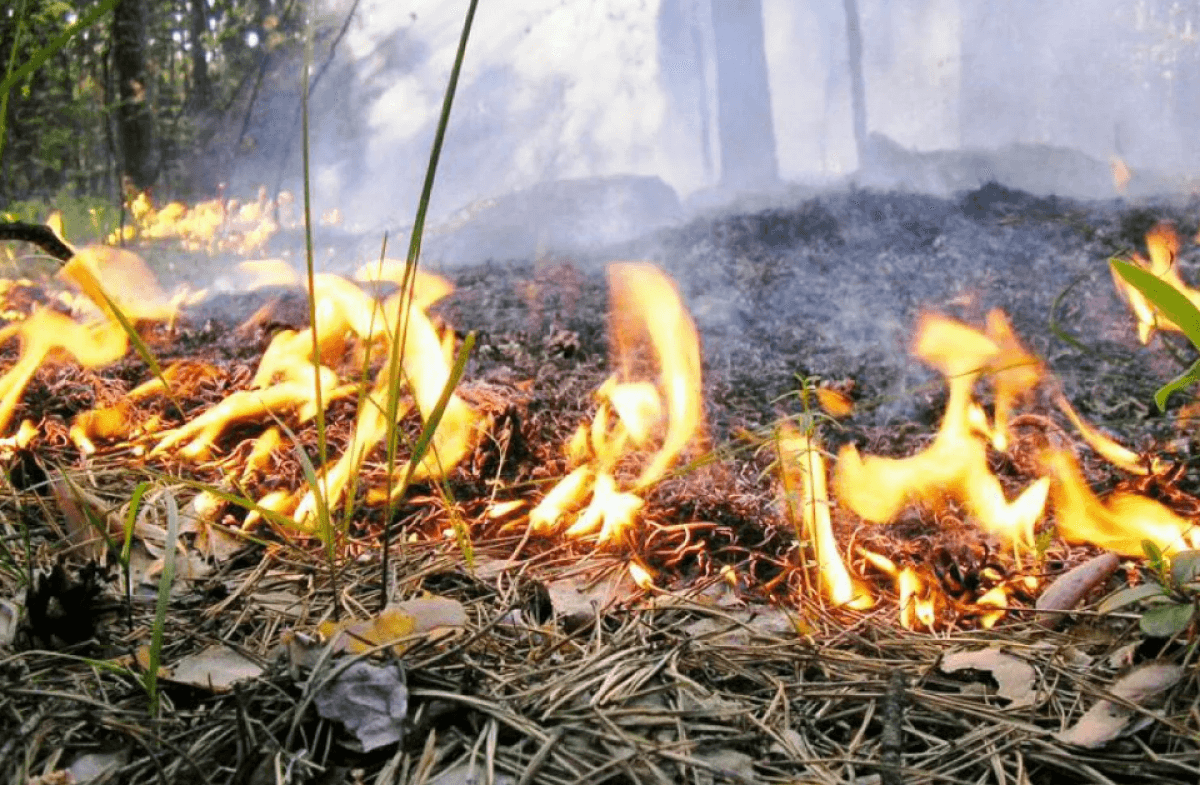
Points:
x=744 y=119
x=201 y=96
x=135 y=121
x=858 y=87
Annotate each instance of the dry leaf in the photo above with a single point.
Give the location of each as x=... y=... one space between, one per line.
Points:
x=1107 y=720
x=211 y=539
x=215 y=668
x=10 y=618
x=84 y=515
x=370 y=700
x=1015 y=678
x=395 y=623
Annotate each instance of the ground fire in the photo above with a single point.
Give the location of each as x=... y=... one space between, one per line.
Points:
x=648 y=419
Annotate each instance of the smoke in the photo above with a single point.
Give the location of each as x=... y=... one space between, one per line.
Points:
x=958 y=92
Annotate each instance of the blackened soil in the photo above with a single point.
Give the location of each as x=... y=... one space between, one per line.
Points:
x=832 y=287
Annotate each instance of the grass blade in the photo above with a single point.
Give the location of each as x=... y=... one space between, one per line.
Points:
x=414 y=254
x=165 y=580
x=1172 y=302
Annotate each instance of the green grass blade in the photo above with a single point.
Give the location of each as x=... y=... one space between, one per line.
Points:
x=414 y=254
x=308 y=241
x=1172 y=302
x=1180 y=382
x=414 y=246
x=164 y=601
x=135 y=505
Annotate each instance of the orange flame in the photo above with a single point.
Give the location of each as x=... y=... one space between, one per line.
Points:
x=1162 y=246
x=1119 y=523
x=955 y=464
x=920 y=600
x=650 y=326
x=802 y=475
x=46 y=333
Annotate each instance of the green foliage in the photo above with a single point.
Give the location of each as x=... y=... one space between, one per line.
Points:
x=1172 y=598
x=59 y=98
x=1176 y=307
x=86 y=219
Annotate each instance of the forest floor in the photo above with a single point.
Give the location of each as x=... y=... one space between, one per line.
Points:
x=538 y=659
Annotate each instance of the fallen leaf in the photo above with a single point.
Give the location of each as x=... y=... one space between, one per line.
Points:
x=199 y=517
x=1015 y=678
x=97 y=765
x=468 y=774
x=422 y=616
x=1167 y=620
x=370 y=699
x=1107 y=720
x=10 y=618
x=215 y=668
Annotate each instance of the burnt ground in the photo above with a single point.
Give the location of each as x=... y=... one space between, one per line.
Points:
x=826 y=287
x=831 y=287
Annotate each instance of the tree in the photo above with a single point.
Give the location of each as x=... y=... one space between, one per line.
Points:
x=747 y=130
x=135 y=121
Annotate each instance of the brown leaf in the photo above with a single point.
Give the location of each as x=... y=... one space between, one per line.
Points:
x=1107 y=720
x=1015 y=678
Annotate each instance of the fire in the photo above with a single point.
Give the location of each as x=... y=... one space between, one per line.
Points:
x=216 y=226
x=1162 y=246
x=652 y=330
x=1119 y=523
x=955 y=465
x=802 y=475
x=293 y=378
x=47 y=334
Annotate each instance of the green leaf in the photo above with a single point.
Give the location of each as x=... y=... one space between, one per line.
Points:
x=1168 y=620
x=1130 y=595
x=1183 y=380
x=1172 y=302
x=1153 y=554
x=1185 y=567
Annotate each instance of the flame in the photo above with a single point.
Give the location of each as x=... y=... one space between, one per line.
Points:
x=1162 y=246
x=46 y=334
x=1115 y=453
x=646 y=309
x=650 y=327
x=921 y=602
x=216 y=225
x=955 y=464
x=111 y=277
x=1121 y=173
x=802 y=475
x=1120 y=522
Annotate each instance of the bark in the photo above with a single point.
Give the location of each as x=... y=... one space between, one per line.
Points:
x=858 y=87
x=135 y=120
x=744 y=118
x=201 y=96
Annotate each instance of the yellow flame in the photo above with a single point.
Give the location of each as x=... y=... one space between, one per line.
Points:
x=802 y=475
x=45 y=333
x=1120 y=522
x=652 y=331
x=920 y=600
x=646 y=309
x=1162 y=246
x=1117 y=454
x=955 y=464
x=111 y=275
